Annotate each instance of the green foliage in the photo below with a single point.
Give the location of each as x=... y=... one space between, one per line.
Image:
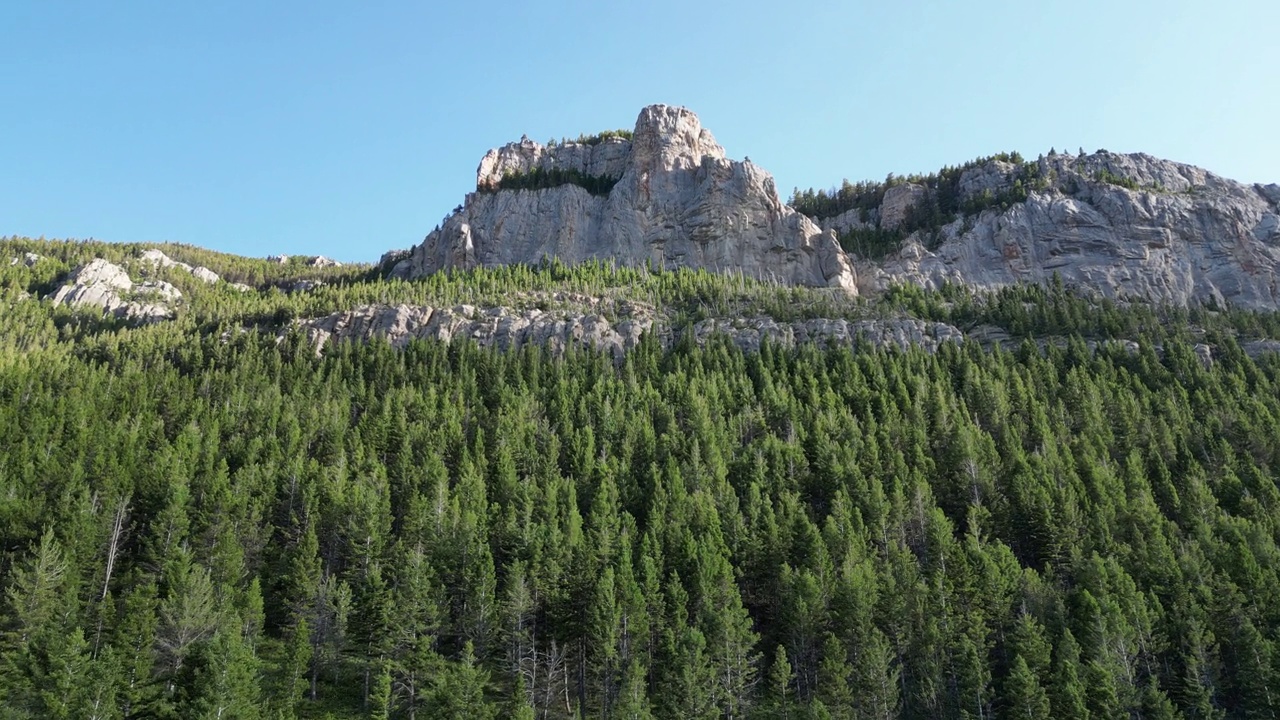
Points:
x=541 y=179
x=943 y=192
x=872 y=243
x=595 y=139
x=1050 y=528
x=942 y=202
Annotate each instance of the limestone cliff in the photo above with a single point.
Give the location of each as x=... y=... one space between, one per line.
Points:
x=1124 y=226
x=675 y=200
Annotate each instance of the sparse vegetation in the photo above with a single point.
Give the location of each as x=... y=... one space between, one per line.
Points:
x=540 y=179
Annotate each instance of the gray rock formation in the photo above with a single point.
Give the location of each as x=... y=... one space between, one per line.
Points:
x=160 y=289
x=1123 y=226
x=102 y=284
x=205 y=274
x=1178 y=235
x=158 y=259
x=897 y=201
x=27 y=259
x=500 y=327
x=901 y=333
x=612 y=325
x=678 y=202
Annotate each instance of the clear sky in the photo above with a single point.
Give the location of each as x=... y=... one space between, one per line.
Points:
x=350 y=128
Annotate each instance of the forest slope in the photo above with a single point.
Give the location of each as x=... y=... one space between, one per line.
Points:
x=205 y=517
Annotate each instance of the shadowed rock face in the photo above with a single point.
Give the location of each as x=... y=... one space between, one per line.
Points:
x=678 y=202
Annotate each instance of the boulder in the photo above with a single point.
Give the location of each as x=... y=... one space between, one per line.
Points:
x=204 y=274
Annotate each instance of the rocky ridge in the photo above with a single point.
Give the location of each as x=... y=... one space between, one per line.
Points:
x=103 y=284
x=676 y=201
x=1122 y=226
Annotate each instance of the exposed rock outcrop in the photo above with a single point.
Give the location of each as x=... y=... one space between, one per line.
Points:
x=614 y=326
x=27 y=259
x=501 y=327
x=105 y=285
x=902 y=333
x=677 y=202
x=1120 y=225
x=204 y=274
x=158 y=259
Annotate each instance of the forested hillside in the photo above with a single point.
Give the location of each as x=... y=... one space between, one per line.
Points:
x=201 y=520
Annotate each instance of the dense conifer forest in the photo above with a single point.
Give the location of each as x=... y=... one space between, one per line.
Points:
x=199 y=519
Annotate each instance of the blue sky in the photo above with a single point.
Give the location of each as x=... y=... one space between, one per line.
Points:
x=347 y=129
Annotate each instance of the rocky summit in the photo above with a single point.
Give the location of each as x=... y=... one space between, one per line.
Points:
x=1121 y=226
x=666 y=195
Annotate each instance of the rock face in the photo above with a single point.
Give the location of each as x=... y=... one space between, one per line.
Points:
x=901 y=333
x=155 y=258
x=614 y=326
x=677 y=202
x=104 y=285
x=1124 y=226
x=500 y=327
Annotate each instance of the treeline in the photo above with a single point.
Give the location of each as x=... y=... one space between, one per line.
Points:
x=941 y=203
x=542 y=178
x=194 y=526
x=943 y=187
x=595 y=139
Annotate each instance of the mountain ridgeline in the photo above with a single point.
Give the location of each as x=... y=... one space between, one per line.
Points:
x=1121 y=226
x=661 y=448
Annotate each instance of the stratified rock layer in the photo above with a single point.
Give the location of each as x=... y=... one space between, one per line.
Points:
x=678 y=202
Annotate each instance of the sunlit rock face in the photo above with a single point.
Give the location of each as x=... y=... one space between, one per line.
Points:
x=678 y=201
x=1153 y=230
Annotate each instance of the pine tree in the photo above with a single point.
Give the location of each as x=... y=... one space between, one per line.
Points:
x=458 y=690
x=1024 y=698
x=834 y=673
x=226 y=683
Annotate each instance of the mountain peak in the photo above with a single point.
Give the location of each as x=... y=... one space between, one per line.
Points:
x=662 y=194
x=672 y=137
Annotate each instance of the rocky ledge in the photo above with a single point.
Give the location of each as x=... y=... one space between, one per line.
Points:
x=617 y=326
x=610 y=325
x=1122 y=226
